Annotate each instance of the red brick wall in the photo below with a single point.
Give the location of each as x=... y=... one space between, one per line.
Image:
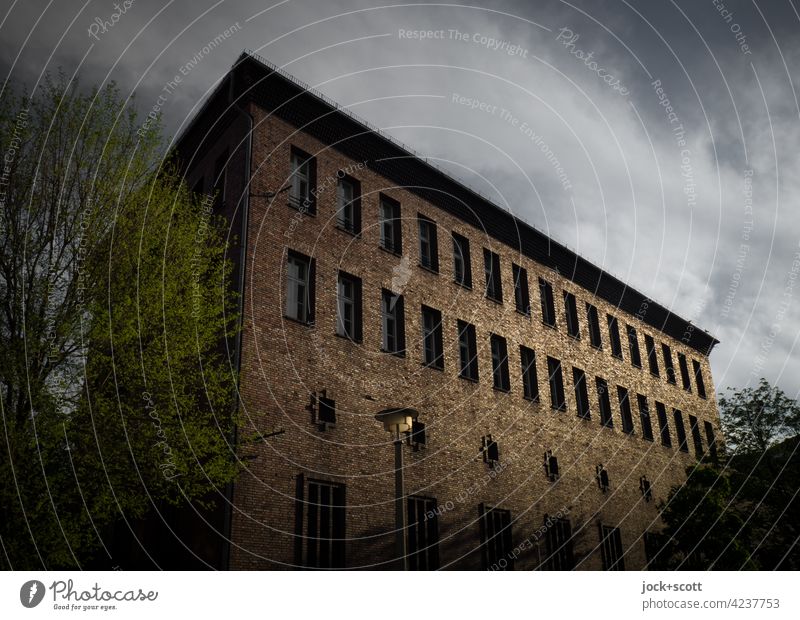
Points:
x=283 y=362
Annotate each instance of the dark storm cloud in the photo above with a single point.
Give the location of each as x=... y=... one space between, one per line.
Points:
x=604 y=172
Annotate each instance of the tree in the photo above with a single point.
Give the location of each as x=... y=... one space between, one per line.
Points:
x=702 y=529
x=753 y=419
x=116 y=396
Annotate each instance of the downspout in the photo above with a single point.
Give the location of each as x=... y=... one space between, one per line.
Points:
x=229 y=487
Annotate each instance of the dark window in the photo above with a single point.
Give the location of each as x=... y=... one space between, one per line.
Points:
x=680 y=430
x=581 y=393
x=428 y=244
x=393 y=319
x=303 y=181
x=558 y=545
x=496 y=543
x=696 y=438
x=653 y=544
x=432 y=337
x=646 y=489
x=652 y=356
x=325 y=524
x=348 y=205
x=521 y=296
x=467 y=351
x=548 y=305
x=423 y=533
x=530 y=383
x=644 y=417
x=698 y=379
x=348 y=307
x=490 y=450
x=663 y=424
x=595 y=338
x=326 y=411
x=500 y=377
x=417 y=436
x=557 y=400
x=550 y=466
x=601 y=474
x=687 y=383
x=668 y=365
x=300 y=287
x=462 y=267
x=491 y=267
x=710 y=439
x=604 y=401
x=633 y=346
x=611 y=540
x=625 y=410
x=390 y=225
x=571 y=312
x=613 y=336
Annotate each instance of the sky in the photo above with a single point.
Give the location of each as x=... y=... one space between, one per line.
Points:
x=657 y=139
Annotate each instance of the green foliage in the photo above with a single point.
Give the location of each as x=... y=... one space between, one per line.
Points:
x=115 y=391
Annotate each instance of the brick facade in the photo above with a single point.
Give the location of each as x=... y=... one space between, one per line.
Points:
x=283 y=362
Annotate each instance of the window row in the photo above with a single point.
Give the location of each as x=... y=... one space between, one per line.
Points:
x=321 y=534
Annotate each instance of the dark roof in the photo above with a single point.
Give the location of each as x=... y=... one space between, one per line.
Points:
x=254 y=79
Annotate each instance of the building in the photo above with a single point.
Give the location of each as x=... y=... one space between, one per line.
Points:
x=556 y=404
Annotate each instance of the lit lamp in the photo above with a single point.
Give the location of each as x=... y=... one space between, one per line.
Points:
x=397 y=422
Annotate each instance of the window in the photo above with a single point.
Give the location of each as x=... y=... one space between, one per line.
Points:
x=668 y=366
x=652 y=356
x=423 y=533
x=663 y=424
x=325 y=410
x=680 y=430
x=521 y=295
x=496 y=544
x=530 y=383
x=322 y=544
x=698 y=379
x=571 y=312
x=581 y=393
x=500 y=377
x=348 y=307
x=625 y=410
x=299 y=287
x=548 y=305
x=428 y=244
x=558 y=545
x=490 y=451
x=550 y=466
x=604 y=401
x=611 y=540
x=595 y=338
x=601 y=474
x=687 y=384
x=646 y=489
x=348 y=205
x=392 y=311
x=696 y=438
x=462 y=267
x=613 y=336
x=653 y=544
x=710 y=439
x=432 y=337
x=467 y=351
x=303 y=181
x=491 y=267
x=644 y=417
x=633 y=345
x=390 y=225
x=556 y=384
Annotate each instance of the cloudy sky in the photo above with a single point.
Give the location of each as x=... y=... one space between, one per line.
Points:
x=660 y=142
